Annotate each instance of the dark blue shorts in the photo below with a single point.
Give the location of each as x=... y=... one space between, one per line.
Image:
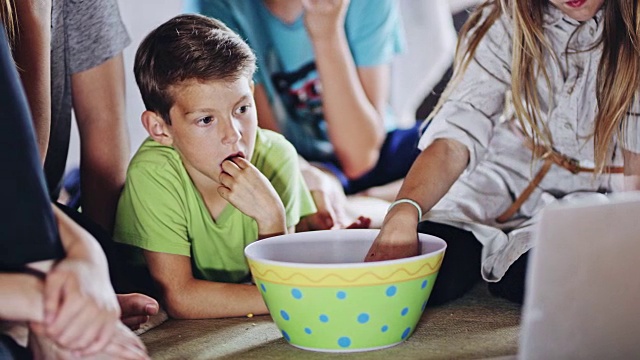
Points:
x=399 y=151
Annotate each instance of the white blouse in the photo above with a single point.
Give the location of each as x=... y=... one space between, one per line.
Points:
x=500 y=165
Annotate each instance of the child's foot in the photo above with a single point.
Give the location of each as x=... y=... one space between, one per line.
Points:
x=136 y=309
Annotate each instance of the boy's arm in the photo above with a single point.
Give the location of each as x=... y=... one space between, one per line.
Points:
x=188 y=298
x=98 y=101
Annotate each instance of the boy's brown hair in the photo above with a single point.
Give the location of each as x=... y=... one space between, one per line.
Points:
x=188 y=47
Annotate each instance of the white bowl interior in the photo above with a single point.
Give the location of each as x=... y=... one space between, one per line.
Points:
x=346 y=246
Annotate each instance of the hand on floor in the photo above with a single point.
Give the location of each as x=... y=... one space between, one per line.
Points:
x=136 y=309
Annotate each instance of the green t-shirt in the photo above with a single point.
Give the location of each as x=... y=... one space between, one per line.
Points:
x=161 y=210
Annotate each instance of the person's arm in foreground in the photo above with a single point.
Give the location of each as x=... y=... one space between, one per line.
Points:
x=631 y=170
x=430 y=177
x=99 y=104
x=80 y=306
x=80 y=309
x=33 y=57
x=21 y=297
x=354 y=99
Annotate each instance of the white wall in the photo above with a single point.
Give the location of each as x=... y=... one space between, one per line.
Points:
x=140 y=17
x=431 y=41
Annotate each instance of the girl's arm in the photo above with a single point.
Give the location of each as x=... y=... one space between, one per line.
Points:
x=21 y=297
x=354 y=99
x=428 y=180
x=631 y=170
x=188 y=298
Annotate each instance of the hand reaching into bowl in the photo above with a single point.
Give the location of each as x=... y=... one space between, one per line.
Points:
x=397 y=239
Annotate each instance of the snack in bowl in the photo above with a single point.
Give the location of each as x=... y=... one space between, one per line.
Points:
x=323 y=297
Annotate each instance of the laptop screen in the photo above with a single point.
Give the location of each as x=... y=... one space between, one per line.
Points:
x=582 y=297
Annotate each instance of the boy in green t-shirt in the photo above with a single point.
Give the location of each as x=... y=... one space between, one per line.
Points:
x=208 y=181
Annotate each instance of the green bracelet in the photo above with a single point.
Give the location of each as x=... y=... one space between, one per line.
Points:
x=408 y=201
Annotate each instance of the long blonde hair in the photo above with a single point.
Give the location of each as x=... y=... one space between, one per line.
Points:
x=9 y=20
x=618 y=76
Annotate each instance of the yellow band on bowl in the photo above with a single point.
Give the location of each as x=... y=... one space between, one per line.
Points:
x=357 y=276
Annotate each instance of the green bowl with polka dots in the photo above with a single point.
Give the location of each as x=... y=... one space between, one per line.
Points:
x=323 y=297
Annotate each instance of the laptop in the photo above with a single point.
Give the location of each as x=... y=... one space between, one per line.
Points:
x=583 y=287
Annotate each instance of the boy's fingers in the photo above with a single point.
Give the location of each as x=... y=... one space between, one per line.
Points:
x=134 y=322
x=152 y=309
x=229 y=166
x=224 y=192
x=137 y=305
x=225 y=179
x=241 y=162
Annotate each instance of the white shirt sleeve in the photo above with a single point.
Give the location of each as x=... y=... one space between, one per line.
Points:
x=474 y=107
x=631 y=134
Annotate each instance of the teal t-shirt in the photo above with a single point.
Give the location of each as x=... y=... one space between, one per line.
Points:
x=161 y=210
x=286 y=61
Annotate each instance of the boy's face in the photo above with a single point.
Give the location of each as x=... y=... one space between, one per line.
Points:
x=212 y=121
x=581 y=10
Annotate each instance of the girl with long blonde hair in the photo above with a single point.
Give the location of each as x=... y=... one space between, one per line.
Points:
x=542 y=106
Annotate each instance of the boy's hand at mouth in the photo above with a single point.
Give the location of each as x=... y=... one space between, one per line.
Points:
x=246 y=188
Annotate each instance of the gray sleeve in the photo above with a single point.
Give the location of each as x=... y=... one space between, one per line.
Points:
x=95 y=32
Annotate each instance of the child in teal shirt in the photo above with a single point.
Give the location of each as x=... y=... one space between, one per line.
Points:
x=208 y=181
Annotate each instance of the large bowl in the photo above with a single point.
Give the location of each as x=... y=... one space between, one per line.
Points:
x=323 y=297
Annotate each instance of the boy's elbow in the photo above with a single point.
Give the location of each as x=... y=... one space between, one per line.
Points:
x=176 y=305
x=176 y=310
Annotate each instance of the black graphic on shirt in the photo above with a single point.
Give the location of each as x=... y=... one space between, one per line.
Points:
x=301 y=94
